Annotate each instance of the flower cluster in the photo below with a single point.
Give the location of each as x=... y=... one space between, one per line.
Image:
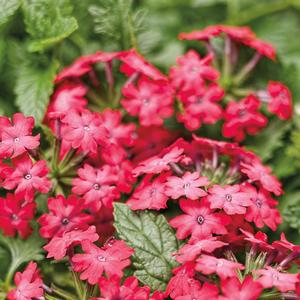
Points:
x=110 y=141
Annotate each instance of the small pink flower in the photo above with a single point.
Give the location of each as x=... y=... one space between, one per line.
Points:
x=196 y=292
x=188 y=185
x=224 y=268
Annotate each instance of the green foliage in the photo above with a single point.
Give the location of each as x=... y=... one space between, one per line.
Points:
x=154 y=242
x=7 y=9
x=33 y=88
x=292 y=215
x=294 y=149
x=48 y=22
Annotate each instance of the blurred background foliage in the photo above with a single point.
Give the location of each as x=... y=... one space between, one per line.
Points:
x=39 y=37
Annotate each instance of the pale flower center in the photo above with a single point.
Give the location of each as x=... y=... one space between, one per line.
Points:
x=228 y=197
x=200 y=220
x=86 y=128
x=101 y=258
x=28 y=176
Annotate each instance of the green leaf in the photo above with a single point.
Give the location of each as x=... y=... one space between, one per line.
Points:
x=7 y=9
x=48 y=22
x=33 y=88
x=154 y=242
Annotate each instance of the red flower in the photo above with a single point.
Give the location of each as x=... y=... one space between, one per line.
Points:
x=28 y=177
x=157 y=164
x=83 y=130
x=238 y=33
x=69 y=95
x=151 y=101
x=192 y=71
x=202 y=35
x=258 y=173
x=243 y=117
x=182 y=281
x=16 y=135
x=96 y=186
x=199 y=220
x=233 y=289
x=262 y=211
x=29 y=284
x=260 y=239
x=194 y=248
x=261 y=47
x=231 y=198
x=188 y=185
x=58 y=246
x=118 y=133
x=94 y=261
x=196 y=292
x=111 y=289
x=280 y=103
x=133 y=63
x=65 y=215
x=270 y=277
x=149 y=194
x=200 y=106
x=224 y=268
x=15 y=216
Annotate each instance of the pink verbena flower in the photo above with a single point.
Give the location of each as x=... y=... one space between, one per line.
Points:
x=149 y=194
x=192 y=71
x=199 y=220
x=188 y=185
x=28 y=284
x=150 y=101
x=95 y=261
x=196 y=292
x=83 y=130
x=194 y=248
x=97 y=186
x=233 y=289
x=270 y=277
x=59 y=245
x=27 y=178
x=15 y=215
x=231 y=198
x=16 y=135
x=243 y=117
x=258 y=173
x=65 y=214
x=224 y=268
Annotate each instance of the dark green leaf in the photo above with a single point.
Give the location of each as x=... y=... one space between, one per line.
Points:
x=154 y=242
x=33 y=88
x=7 y=9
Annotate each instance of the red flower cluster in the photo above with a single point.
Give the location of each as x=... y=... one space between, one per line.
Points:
x=218 y=192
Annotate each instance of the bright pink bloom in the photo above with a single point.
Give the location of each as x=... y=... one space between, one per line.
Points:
x=194 y=248
x=15 y=216
x=280 y=103
x=243 y=117
x=149 y=194
x=96 y=186
x=94 y=261
x=159 y=163
x=199 y=220
x=192 y=71
x=118 y=133
x=69 y=95
x=188 y=185
x=151 y=101
x=83 y=130
x=58 y=246
x=134 y=63
x=258 y=173
x=262 y=211
x=111 y=289
x=202 y=35
x=196 y=292
x=104 y=221
x=238 y=33
x=65 y=214
x=270 y=277
x=182 y=281
x=233 y=289
x=29 y=284
x=200 y=106
x=16 y=135
x=28 y=177
x=259 y=239
x=261 y=47
x=224 y=268
x=231 y=198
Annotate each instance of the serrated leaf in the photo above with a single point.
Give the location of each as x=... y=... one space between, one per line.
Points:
x=154 y=242
x=33 y=88
x=7 y=9
x=48 y=22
